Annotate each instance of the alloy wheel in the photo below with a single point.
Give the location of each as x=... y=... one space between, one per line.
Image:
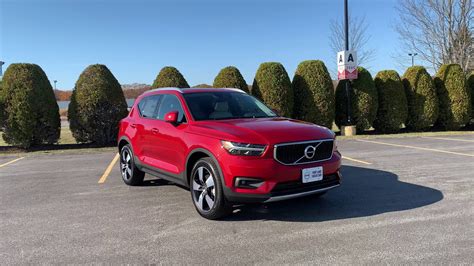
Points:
x=204 y=191
x=126 y=164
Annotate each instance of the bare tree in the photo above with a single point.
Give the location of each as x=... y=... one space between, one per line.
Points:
x=358 y=38
x=440 y=31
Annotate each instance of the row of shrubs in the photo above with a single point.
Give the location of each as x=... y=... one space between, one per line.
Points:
x=387 y=103
x=29 y=113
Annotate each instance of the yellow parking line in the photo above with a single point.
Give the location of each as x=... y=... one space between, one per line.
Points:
x=464 y=140
x=355 y=160
x=417 y=148
x=109 y=169
x=10 y=162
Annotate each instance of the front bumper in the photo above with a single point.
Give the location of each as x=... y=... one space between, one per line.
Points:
x=286 y=190
x=279 y=181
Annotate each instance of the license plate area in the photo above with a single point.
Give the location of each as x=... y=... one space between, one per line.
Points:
x=312 y=174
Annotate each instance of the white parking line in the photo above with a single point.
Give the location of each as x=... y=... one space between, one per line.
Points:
x=10 y=162
x=355 y=160
x=464 y=140
x=416 y=148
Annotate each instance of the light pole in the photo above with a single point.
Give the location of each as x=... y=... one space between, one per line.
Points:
x=55 y=81
x=413 y=58
x=348 y=82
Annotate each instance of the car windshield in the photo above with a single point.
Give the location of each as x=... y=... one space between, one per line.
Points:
x=221 y=105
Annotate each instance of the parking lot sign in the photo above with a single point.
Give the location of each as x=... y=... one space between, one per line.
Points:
x=346 y=65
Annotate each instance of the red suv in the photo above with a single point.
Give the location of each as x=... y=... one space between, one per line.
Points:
x=226 y=147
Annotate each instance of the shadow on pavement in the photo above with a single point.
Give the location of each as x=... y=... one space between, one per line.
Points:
x=364 y=192
x=155 y=182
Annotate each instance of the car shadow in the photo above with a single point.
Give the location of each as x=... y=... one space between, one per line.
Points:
x=155 y=182
x=364 y=192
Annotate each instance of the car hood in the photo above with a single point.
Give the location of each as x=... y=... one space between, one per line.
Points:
x=262 y=130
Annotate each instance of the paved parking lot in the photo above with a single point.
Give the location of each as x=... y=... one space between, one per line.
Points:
x=403 y=200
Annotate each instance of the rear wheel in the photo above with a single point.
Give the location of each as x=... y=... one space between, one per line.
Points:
x=206 y=190
x=131 y=175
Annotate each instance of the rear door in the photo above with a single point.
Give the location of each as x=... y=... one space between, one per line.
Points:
x=168 y=150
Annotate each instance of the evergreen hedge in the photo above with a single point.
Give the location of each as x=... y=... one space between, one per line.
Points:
x=470 y=85
x=454 y=97
x=364 y=101
x=30 y=111
x=230 y=77
x=421 y=98
x=97 y=105
x=170 y=77
x=273 y=86
x=392 y=108
x=314 y=93
x=2 y=107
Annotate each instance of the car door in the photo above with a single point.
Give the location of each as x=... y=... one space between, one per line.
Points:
x=148 y=108
x=168 y=147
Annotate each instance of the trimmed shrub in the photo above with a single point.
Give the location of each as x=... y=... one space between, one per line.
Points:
x=170 y=77
x=2 y=107
x=364 y=101
x=454 y=97
x=421 y=98
x=97 y=105
x=393 y=109
x=272 y=85
x=31 y=113
x=470 y=85
x=230 y=77
x=314 y=93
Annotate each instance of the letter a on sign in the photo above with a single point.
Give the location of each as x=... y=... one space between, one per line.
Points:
x=347 y=65
x=350 y=58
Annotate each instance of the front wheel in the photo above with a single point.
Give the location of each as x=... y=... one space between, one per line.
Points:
x=131 y=175
x=206 y=190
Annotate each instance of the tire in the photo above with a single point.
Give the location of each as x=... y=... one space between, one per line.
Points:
x=206 y=190
x=130 y=173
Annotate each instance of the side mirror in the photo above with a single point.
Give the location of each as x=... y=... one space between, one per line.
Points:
x=172 y=117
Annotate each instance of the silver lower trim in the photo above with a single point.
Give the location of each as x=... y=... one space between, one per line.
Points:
x=297 y=195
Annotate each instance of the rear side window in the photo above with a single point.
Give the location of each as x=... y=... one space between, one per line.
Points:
x=171 y=103
x=148 y=106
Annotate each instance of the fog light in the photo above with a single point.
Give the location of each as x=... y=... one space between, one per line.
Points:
x=248 y=183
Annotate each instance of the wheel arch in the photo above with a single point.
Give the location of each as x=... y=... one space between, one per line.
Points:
x=195 y=156
x=122 y=142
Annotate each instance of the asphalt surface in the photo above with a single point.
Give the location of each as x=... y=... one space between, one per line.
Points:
x=405 y=200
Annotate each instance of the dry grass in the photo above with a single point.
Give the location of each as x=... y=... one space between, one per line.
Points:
x=66 y=137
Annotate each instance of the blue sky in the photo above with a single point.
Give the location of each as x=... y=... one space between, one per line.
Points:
x=135 y=39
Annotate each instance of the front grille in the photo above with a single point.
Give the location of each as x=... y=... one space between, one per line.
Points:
x=294 y=153
x=299 y=187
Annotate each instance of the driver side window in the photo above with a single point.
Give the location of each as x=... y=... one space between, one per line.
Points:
x=171 y=103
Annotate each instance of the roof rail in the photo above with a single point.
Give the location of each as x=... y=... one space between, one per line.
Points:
x=235 y=89
x=166 y=88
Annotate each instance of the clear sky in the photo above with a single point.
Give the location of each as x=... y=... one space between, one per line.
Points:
x=135 y=39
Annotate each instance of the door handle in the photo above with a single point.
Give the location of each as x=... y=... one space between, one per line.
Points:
x=155 y=130
x=133 y=125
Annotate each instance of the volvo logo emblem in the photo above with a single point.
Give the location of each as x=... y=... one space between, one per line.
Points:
x=309 y=152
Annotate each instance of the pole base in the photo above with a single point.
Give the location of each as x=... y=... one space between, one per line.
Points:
x=348 y=130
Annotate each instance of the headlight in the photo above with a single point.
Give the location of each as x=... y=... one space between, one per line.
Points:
x=334 y=145
x=246 y=149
